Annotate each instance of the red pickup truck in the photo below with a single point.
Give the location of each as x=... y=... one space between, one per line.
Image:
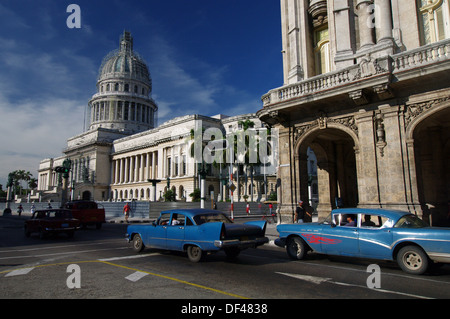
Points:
x=88 y=212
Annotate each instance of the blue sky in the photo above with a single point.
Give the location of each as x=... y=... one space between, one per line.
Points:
x=205 y=56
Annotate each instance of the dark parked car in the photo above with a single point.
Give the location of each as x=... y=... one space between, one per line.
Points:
x=51 y=221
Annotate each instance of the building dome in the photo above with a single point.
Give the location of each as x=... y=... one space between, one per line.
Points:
x=124 y=63
x=123 y=100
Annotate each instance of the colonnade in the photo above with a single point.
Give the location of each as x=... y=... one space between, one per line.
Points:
x=121 y=111
x=135 y=168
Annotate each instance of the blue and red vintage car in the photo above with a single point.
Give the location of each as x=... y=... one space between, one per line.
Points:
x=370 y=233
x=198 y=232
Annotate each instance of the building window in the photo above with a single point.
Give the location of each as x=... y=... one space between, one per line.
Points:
x=126 y=111
x=322 y=50
x=119 y=110
x=175 y=173
x=434 y=20
x=127 y=87
x=133 y=110
x=169 y=166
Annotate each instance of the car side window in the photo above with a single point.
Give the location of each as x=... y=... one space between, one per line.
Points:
x=189 y=222
x=178 y=220
x=164 y=219
x=346 y=220
x=372 y=221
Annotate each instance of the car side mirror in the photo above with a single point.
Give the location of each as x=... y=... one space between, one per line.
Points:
x=154 y=223
x=333 y=225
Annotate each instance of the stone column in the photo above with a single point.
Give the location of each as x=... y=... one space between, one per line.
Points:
x=126 y=171
x=121 y=169
x=142 y=169
x=383 y=18
x=366 y=26
x=344 y=31
x=147 y=167
x=366 y=162
x=154 y=154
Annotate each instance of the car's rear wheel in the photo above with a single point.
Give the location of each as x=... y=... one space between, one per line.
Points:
x=413 y=260
x=194 y=253
x=296 y=248
x=138 y=244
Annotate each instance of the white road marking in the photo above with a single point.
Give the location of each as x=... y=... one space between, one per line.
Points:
x=136 y=276
x=314 y=280
x=319 y=280
x=19 y=272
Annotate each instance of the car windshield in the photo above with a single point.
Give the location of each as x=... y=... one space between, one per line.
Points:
x=327 y=220
x=211 y=218
x=410 y=221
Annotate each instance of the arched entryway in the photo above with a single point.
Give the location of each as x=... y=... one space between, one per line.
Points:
x=431 y=136
x=334 y=149
x=86 y=195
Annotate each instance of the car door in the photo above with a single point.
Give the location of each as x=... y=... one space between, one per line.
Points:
x=175 y=232
x=375 y=236
x=157 y=235
x=339 y=239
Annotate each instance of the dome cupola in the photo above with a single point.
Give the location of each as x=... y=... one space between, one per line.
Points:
x=125 y=63
x=124 y=87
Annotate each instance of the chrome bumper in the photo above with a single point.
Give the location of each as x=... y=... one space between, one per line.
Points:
x=241 y=243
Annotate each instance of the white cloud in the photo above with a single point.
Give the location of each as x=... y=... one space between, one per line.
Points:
x=35 y=130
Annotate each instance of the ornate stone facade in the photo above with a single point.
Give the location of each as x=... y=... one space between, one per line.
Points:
x=377 y=118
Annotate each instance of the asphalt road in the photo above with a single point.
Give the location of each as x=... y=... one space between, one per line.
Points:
x=103 y=265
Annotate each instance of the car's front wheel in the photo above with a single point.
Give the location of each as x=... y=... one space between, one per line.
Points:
x=138 y=244
x=194 y=253
x=296 y=248
x=413 y=260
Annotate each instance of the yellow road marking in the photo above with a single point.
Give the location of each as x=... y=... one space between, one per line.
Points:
x=134 y=269
x=179 y=280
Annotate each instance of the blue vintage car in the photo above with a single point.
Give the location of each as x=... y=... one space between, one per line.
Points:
x=370 y=233
x=197 y=231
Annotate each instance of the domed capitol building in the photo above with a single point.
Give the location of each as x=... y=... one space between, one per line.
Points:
x=124 y=155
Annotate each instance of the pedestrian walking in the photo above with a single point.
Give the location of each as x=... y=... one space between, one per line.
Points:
x=299 y=213
x=20 y=209
x=126 y=211
x=247 y=208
